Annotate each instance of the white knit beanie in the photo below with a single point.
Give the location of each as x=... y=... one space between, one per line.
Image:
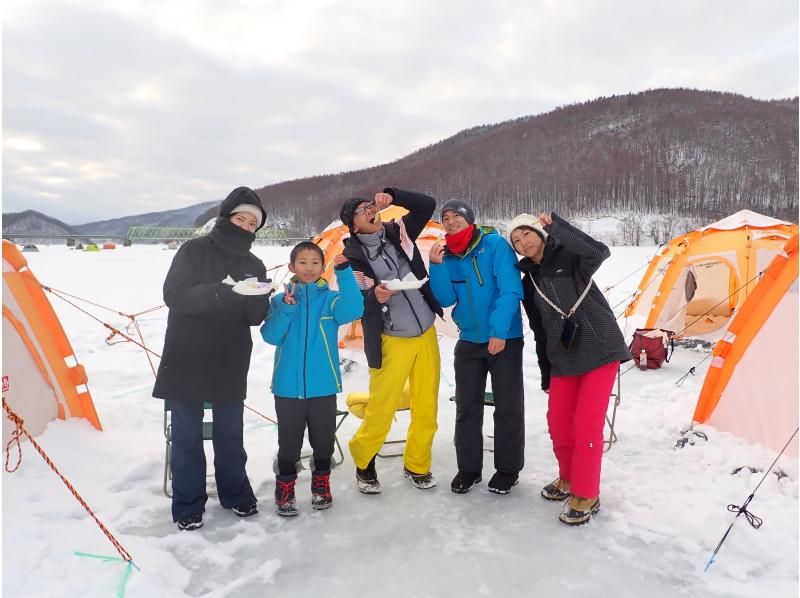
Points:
x=529 y=221
x=250 y=209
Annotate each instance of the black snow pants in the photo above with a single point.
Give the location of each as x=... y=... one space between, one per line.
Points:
x=318 y=414
x=472 y=364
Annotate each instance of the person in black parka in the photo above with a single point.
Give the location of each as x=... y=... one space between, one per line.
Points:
x=207 y=355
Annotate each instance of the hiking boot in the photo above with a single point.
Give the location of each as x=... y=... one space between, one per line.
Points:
x=285 y=501
x=246 y=509
x=321 y=490
x=423 y=481
x=557 y=490
x=579 y=510
x=502 y=482
x=368 y=479
x=464 y=481
x=191 y=522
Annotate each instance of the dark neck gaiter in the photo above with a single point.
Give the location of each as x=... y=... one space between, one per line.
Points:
x=230 y=238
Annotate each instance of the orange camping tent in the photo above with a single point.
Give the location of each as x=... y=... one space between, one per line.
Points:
x=751 y=388
x=38 y=383
x=700 y=279
x=331 y=241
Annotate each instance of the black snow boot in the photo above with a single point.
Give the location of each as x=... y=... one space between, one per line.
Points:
x=502 y=482
x=285 y=501
x=368 y=479
x=464 y=481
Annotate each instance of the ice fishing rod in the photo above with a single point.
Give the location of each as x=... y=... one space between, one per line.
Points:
x=751 y=519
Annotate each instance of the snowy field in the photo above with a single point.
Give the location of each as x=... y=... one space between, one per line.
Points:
x=664 y=509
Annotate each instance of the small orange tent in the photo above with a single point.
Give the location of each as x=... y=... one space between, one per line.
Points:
x=751 y=388
x=38 y=383
x=700 y=279
x=332 y=239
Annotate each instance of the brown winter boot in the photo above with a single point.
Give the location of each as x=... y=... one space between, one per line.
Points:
x=557 y=490
x=579 y=510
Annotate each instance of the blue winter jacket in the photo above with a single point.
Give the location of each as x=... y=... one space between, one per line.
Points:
x=485 y=287
x=306 y=334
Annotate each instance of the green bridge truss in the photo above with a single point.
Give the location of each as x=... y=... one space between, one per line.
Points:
x=175 y=233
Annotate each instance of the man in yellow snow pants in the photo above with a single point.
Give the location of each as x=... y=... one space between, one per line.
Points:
x=399 y=336
x=414 y=359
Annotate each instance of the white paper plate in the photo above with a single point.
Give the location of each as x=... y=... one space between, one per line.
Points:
x=253 y=288
x=404 y=285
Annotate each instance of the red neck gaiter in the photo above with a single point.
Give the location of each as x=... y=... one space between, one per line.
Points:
x=458 y=242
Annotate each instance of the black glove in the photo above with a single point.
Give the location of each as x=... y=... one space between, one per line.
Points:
x=224 y=298
x=255 y=308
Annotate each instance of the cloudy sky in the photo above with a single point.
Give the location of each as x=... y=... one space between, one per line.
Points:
x=113 y=108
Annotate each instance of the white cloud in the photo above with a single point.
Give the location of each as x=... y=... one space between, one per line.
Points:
x=158 y=104
x=22 y=144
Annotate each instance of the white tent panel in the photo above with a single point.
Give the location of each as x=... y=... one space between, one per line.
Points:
x=760 y=402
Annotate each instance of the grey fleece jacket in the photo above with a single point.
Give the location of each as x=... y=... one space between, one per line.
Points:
x=407 y=313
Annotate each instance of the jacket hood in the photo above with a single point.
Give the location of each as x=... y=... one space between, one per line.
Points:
x=239 y=196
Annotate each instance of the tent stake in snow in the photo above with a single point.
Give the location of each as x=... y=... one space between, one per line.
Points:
x=752 y=519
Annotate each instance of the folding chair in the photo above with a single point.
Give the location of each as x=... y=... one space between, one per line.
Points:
x=612 y=434
x=208 y=432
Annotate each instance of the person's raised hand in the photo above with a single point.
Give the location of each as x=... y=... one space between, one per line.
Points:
x=288 y=296
x=339 y=260
x=546 y=218
x=382 y=200
x=436 y=255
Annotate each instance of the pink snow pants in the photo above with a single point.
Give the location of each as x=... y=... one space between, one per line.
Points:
x=576 y=413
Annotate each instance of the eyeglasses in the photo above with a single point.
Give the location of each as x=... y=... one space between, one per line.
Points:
x=370 y=207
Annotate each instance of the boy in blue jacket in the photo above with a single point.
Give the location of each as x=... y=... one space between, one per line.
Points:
x=303 y=323
x=477 y=273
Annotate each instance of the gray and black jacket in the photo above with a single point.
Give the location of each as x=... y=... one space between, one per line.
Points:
x=571 y=257
x=420 y=209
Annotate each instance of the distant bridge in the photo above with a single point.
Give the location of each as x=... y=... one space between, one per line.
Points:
x=148 y=233
x=36 y=236
x=175 y=233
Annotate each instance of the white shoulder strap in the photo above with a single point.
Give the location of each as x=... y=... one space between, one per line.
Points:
x=554 y=306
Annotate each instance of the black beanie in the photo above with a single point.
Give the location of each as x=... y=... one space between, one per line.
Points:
x=348 y=212
x=459 y=207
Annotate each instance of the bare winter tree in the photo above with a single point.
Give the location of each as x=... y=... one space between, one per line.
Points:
x=661 y=152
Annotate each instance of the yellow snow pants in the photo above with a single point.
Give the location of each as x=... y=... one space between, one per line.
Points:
x=415 y=359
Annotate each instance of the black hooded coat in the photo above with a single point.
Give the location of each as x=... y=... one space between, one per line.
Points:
x=208 y=344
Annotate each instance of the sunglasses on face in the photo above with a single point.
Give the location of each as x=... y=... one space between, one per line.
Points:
x=371 y=207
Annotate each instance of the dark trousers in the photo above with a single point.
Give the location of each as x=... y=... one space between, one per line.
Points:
x=472 y=364
x=189 y=460
x=294 y=415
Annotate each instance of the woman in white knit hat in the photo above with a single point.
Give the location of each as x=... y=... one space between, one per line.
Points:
x=583 y=345
x=206 y=358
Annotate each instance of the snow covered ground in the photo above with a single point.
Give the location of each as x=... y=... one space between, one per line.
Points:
x=664 y=509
